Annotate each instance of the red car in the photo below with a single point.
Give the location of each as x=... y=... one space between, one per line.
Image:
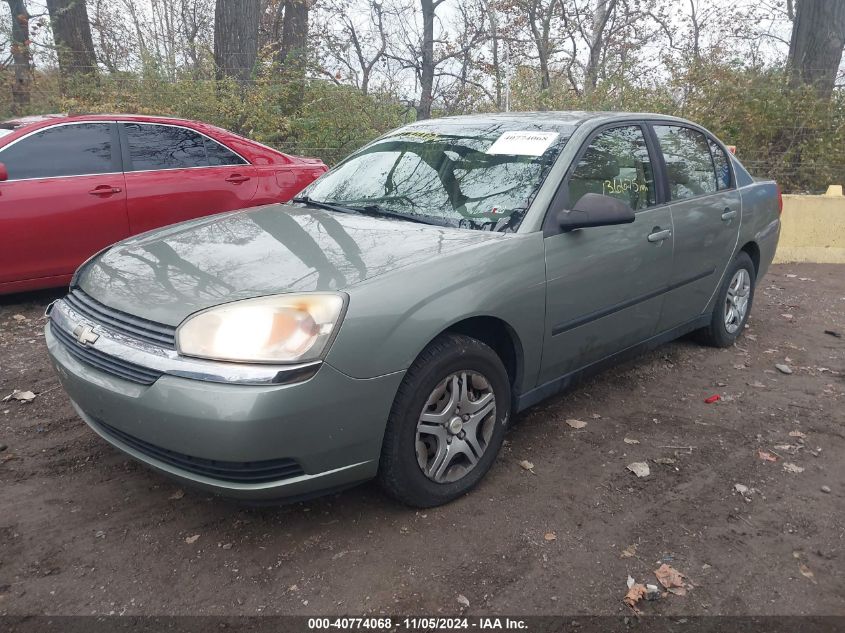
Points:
x=71 y=185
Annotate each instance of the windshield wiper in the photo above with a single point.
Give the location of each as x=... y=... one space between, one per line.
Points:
x=375 y=209
x=325 y=205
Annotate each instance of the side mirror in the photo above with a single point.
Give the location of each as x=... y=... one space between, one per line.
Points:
x=4 y=173
x=594 y=209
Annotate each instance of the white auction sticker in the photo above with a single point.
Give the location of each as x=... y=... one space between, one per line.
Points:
x=516 y=143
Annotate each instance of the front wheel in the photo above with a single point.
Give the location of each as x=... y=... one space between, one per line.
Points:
x=447 y=422
x=733 y=304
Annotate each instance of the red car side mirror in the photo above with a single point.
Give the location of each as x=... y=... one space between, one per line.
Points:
x=4 y=173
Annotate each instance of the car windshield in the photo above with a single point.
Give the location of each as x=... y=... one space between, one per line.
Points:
x=477 y=176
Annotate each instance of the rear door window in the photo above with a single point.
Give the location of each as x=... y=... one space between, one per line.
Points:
x=616 y=164
x=219 y=155
x=77 y=149
x=689 y=164
x=720 y=161
x=155 y=147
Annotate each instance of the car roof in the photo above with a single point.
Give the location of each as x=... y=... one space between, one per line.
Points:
x=572 y=118
x=40 y=120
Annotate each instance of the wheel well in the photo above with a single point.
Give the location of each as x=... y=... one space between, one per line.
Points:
x=754 y=253
x=499 y=336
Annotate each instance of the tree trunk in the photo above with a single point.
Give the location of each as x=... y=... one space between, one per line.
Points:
x=236 y=38
x=815 y=50
x=21 y=58
x=72 y=35
x=426 y=60
x=494 y=50
x=293 y=49
x=604 y=9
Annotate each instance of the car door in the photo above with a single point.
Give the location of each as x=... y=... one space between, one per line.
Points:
x=174 y=173
x=604 y=284
x=64 y=199
x=706 y=212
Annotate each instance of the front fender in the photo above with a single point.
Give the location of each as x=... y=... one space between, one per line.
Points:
x=391 y=318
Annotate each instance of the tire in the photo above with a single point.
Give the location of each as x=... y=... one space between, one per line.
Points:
x=719 y=333
x=411 y=447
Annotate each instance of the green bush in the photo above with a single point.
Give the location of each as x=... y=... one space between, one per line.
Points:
x=787 y=134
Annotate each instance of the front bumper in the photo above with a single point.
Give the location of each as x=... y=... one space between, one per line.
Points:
x=330 y=425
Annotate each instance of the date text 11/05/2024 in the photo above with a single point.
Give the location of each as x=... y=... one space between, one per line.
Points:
x=416 y=623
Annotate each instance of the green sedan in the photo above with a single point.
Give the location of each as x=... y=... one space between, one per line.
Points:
x=391 y=320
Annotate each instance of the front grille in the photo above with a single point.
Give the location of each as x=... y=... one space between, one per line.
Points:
x=104 y=362
x=121 y=322
x=235 y=472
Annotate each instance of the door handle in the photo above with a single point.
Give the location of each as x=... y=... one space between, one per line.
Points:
x=728 y=214
x=659 y=236
x=104 y=190
x=237 y=178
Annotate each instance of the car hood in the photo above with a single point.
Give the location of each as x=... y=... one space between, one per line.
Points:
x=169 y=273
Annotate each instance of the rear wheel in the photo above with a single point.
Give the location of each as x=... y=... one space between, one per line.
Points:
x=733 y=304
x=447 y=422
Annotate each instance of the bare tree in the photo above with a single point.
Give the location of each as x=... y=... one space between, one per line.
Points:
x=818 y=38
x=21 y=56
x=236 y=38
x=356 y=41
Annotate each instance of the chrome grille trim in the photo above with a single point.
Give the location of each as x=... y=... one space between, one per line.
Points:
x=118 y=321
x=103 y=362
x=112 y=348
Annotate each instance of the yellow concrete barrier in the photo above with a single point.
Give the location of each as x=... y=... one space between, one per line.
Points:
x=813 y=228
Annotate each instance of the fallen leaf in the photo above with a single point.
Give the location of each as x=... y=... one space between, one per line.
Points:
x=576 y=424
x=636 y=592
x=806 y=571
x=740 y=488
x=462 y=599
x=793 y=468
x=768 y=457
x=784 y=369
x=640 y=469
x=550 y=536
x=715 y=397
x=22 y=396
x=670 y=577
x=629 y=551
x=630 y=440
x=797 y=434
x=19 y=318
x=178 y=494
x=525 y=464
x=192 y=539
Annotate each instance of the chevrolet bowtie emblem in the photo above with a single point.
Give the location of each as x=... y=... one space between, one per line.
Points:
x=85 y=334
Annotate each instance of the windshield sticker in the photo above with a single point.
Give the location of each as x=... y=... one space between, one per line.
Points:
x=523 y=143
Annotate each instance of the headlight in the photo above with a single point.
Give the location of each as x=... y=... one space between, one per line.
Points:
x=277 y=329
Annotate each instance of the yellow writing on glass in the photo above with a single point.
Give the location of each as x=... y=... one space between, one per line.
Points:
x=622 y=185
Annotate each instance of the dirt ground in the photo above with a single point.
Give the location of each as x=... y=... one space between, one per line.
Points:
x=85 y=530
